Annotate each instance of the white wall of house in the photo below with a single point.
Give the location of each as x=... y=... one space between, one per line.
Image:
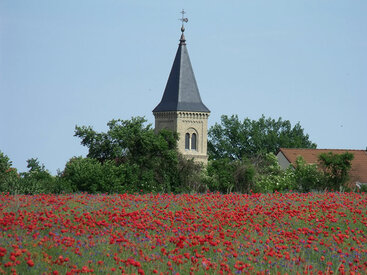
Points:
x=282 y=160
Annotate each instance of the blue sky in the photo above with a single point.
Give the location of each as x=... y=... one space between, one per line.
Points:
x=85 y=62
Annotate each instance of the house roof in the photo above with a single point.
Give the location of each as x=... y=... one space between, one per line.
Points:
x=181 y=92
x=358 y=171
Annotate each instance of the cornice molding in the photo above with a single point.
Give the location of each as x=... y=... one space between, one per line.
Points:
x=182 y=114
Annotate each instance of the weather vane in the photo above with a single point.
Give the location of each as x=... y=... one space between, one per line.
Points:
x=183 y=20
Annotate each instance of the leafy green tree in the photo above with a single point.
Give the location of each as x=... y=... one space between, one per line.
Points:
x=189 y=176
x=126 y=139
x=220 y=175
x=308 y=177
x=244 y=176
x=336 y=167
x=225 y=175
x=267 y=164
x=37 y=179
x=5 y=163
x=149 y=161
x=235 y=139
x=83 y=174
x=9 y=178
x=89 y=175
x=34 y=166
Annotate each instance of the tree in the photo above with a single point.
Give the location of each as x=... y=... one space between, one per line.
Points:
x=90 y=175
x=234 y=139
x=149 y=161
x=9 y=178
x=127 y=140
x=5 y=163
x=336 y=167
x=220 y=175
x=308 y=177
x=225 y=175
x=244 y=176
x=190 y=176
x=37 y=179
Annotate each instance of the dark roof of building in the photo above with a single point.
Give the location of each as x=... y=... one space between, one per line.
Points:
x=358 y=171
x=181 y=92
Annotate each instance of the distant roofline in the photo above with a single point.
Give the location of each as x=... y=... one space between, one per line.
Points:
x=177 y=111
x=323 y=149
x=358 y=171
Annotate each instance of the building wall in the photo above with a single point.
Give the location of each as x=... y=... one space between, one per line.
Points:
x=186 y=122
x=165 y=120
x=283 y=162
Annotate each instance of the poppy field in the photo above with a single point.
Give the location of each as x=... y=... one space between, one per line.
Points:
x=313 y=233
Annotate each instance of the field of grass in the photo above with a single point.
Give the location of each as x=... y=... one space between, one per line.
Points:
x=315 y=233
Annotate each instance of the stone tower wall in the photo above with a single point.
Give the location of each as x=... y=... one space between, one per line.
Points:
x=186 y=122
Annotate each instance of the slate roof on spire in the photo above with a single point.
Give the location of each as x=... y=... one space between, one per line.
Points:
x=181 y=92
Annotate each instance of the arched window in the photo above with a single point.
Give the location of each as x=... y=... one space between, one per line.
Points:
x=193 y=141
x=187 y=141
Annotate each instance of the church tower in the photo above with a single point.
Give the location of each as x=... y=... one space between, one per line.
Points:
x=181 y=108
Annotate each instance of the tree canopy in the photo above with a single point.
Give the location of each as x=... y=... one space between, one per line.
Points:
x=8 y=174
x=124 y=139
x=235 y=139
x=147 y=160
x=131 y=157
x=336 y=167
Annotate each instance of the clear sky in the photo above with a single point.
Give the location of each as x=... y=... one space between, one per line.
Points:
x=66 y=63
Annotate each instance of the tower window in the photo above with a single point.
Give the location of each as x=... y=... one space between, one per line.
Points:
x=193 y=141
x=187 y=141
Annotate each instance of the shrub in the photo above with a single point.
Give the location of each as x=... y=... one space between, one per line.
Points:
x=336 y=167
x=220 y=175
x=308 y=177
x=270 y=183
x=225 y=175
x=271 y=177
x=37 y=180
x=89 y=175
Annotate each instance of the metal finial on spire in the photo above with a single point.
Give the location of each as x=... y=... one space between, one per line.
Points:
x=183 y=20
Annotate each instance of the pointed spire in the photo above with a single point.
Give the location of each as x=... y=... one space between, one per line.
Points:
x=181 y=92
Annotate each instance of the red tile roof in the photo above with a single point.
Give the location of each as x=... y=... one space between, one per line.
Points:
x=358 y=171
